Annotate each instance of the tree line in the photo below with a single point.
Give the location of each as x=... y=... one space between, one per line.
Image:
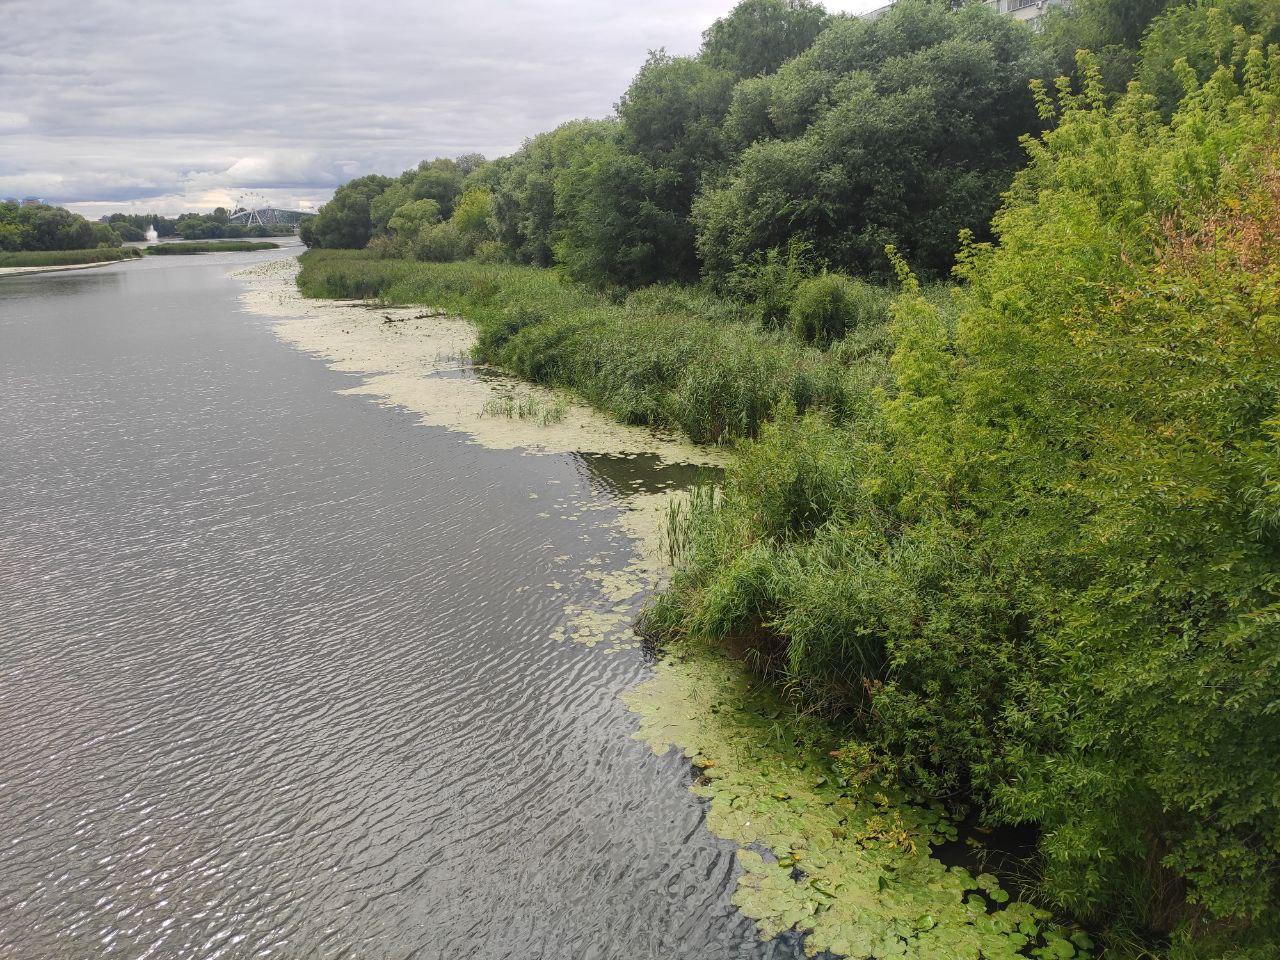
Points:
x=792 y=137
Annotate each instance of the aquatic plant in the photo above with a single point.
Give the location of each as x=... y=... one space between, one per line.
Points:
x=844 y=860
x=545 y=412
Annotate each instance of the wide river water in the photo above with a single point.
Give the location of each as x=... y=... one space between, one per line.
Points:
x=279 y=673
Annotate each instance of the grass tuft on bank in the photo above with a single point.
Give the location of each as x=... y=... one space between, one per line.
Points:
x=66 y=258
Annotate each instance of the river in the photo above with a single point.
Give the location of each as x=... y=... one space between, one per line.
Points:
x=282 y=670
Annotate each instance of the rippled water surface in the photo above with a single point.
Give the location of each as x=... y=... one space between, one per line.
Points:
x=276 y=676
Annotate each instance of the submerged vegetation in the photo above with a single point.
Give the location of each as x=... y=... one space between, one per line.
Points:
x=545 y=412
x=1012 y=544
x=59 y=258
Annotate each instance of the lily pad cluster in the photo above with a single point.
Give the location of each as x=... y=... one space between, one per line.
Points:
x=844 y=863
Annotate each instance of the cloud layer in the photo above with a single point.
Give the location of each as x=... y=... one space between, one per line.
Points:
x=150 y=104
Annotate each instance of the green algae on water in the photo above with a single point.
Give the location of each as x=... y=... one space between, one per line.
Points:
x=847 y=865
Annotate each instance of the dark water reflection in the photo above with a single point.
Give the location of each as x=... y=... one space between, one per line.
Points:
x=275 y=676
x=621 y=475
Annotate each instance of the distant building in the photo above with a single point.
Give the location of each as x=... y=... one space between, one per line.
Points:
x=1028 y=11
x=13 y=200
x=32 y=202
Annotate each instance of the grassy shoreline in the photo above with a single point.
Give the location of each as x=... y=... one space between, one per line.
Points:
x=671 y=358
x=65 y=258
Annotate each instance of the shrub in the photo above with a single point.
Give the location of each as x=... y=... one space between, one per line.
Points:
x=441 y=243
x=824 y=308
x=490 y=251
x=768 y=282
x=1040 y=573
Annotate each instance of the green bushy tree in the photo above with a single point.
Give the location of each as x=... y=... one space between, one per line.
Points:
x=904 y=130
x=524 y=188
x=759 y=36
x=643 y=182
x=345 y=221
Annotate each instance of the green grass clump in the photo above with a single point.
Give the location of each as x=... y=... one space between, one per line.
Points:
x=63 y=258
x=828 y=306
x=545 y=412
x=668 y=357
x=211 y=246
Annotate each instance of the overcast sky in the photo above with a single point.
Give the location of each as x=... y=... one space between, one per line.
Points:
x=172 y=105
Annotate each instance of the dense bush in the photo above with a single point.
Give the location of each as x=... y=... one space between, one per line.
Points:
x=901 y=130
x=824 y=308
x=1042 y=574
x=441 y=243
x=345 y=221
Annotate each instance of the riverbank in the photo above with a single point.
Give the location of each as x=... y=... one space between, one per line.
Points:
x=672 y=358
x=419 y=360
x=846 y=862
x=39 y=261
x=18 y=271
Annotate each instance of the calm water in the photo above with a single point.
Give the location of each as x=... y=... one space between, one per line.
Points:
x=275 y=676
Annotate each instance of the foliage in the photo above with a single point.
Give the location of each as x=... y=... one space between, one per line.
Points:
x=473 y=215
x=869 y=137
x=1204 y=36
x=619 y=225
x=826 y=307
x=440 y=180
x=525 y=186
x=1111 y=29
x=768 y=280
x=210 y=246
x=133 y=227
x=663 y=357
x=441 y=243
x=345 y=221
x=1039 y=574
x=626 y=201
x=41 y=227
x=759 y=36
x=409 y=220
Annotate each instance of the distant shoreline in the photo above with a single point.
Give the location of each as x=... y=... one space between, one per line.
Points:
x=14 y=271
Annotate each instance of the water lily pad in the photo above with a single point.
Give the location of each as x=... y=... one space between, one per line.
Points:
x=868 y=886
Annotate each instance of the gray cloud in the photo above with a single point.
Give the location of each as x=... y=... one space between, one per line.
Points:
x=154 y=104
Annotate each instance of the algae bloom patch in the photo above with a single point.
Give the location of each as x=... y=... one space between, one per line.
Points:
x=849 y=866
